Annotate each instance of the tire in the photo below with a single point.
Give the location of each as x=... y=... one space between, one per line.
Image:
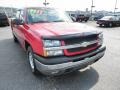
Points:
x=30 y=58
x=110 y=24
x=104 y=25
x=80 y=20
x=100 y=25
x=15 y=39
x=86 y=20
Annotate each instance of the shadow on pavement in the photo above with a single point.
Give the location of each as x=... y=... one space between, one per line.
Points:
x=107 y=27
x=79 y=80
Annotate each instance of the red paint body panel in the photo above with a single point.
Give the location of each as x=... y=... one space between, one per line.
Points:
x=32 y=33
x=60 y=28
x=80 y=52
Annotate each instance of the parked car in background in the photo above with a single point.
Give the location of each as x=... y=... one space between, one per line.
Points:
x=81 y=18
x=109 y=21
x=3 y=19
x=97 y=17
x=54 y=43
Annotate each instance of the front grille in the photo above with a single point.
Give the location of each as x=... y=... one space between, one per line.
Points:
x=81 y=48
x=79 y=40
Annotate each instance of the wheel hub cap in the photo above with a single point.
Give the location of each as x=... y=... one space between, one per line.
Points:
x=31 y=60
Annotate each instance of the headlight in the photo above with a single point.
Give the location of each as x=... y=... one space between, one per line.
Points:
x=100 y=39
x=53 y=53
x=51 y=43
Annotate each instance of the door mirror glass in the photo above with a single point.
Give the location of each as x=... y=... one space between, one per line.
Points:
x=18 y=22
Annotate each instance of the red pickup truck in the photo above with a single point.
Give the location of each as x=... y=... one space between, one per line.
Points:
x=54 y=44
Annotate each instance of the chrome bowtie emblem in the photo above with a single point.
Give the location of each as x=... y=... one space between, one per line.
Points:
x=85 y=44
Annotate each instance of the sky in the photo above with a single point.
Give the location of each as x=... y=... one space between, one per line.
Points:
x=65 y=4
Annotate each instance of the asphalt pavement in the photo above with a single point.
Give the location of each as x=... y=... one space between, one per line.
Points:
x=15 y=72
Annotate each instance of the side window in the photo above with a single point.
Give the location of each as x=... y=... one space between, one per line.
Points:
x=117 y=18
x=20 y=15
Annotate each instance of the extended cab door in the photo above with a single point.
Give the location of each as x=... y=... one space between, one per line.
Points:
x=19 y=30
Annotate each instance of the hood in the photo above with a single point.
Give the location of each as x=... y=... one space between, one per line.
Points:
x=61 y=28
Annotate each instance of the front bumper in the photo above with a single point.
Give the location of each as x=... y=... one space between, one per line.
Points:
x=75 y=63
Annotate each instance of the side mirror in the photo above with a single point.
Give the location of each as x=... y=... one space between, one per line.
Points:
x=17 y=22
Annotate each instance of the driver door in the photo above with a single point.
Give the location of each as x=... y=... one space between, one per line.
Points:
x=19 y=29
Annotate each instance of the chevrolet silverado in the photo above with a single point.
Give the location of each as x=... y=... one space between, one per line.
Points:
x=54 y=44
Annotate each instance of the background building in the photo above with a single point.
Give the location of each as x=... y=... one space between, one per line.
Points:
x=9 y=11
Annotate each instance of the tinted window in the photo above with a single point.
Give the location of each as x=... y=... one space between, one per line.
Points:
x=20 y=15
x=38 y=15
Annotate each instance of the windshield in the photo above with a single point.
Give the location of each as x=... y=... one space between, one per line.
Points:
x=41 y=15
x=108 y=18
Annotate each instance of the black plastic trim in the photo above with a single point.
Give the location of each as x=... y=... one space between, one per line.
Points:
x=62 y=37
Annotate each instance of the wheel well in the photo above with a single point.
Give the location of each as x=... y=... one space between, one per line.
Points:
x=26 y=45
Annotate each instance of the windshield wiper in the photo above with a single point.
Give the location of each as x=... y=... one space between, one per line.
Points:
x=59 y=21
x=41 y=22
x=48 y=21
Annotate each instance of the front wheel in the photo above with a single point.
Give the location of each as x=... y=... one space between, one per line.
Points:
x=100 y=25
x=15 y=39
x=31 y=61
